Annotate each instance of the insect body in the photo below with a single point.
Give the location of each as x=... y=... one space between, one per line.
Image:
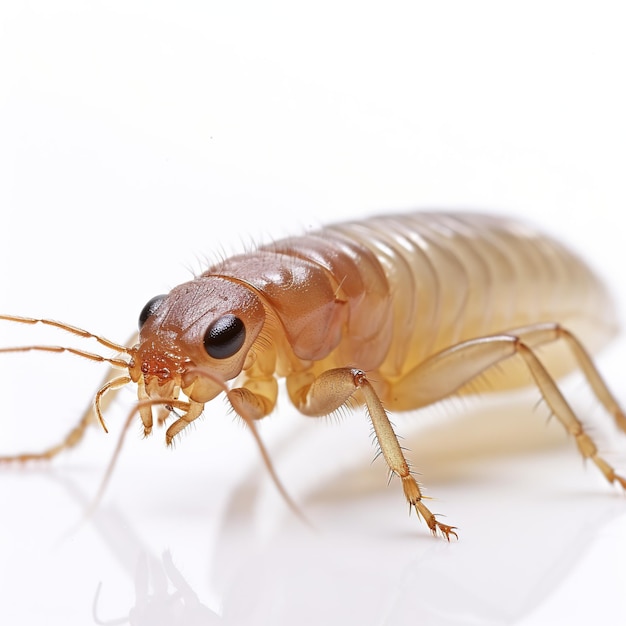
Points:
x=397 y=312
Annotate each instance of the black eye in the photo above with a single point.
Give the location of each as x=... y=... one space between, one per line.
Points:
x=150 y=309
x=224 y=337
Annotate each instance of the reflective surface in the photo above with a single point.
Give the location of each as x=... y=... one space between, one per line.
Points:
x=177 y=539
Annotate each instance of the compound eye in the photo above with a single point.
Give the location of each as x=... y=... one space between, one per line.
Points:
x=150 y=309
x=224 y=337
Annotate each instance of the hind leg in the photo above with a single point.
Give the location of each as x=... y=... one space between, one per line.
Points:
x=446 y=372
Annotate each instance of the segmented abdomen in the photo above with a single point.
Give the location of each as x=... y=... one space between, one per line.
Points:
x=454 y=277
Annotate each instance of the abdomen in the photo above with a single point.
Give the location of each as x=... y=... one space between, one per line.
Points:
x=453 y=277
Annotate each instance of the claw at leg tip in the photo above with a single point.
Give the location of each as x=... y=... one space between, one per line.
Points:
x=446 y=531
x=621 y=481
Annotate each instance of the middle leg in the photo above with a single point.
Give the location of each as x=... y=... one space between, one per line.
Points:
x=331 y=390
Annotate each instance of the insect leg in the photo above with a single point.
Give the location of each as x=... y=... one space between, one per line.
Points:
x=252 y=401
x=192 y=409
x=541 y=334
x=554 y=332
x=255 y=399
x=334 y=388
x=255 y=392
x=446 y=372
x=74 y=437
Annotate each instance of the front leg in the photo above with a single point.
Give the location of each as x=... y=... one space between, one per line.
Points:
x=331 y=390
x=191 y=411
x=255 y=397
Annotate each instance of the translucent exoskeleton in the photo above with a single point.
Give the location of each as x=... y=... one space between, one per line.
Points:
x=396 y=312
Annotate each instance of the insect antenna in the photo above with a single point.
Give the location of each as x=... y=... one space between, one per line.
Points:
x=92 y=356
x=270 y=468
x=79 y=332
x=257 y=437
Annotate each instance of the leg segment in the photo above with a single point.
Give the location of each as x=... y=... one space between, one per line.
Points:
x=394 y=456
x=192 y=410
x=75 y=436
x=594 y=378
x=72 y=439
x=446 y=372
x=563 y=411
x=334 y=388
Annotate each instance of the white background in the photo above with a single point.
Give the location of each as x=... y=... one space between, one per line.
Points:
x=139 y=140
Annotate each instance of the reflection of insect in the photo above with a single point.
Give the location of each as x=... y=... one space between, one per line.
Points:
x=399 y=311
x=155 y=603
